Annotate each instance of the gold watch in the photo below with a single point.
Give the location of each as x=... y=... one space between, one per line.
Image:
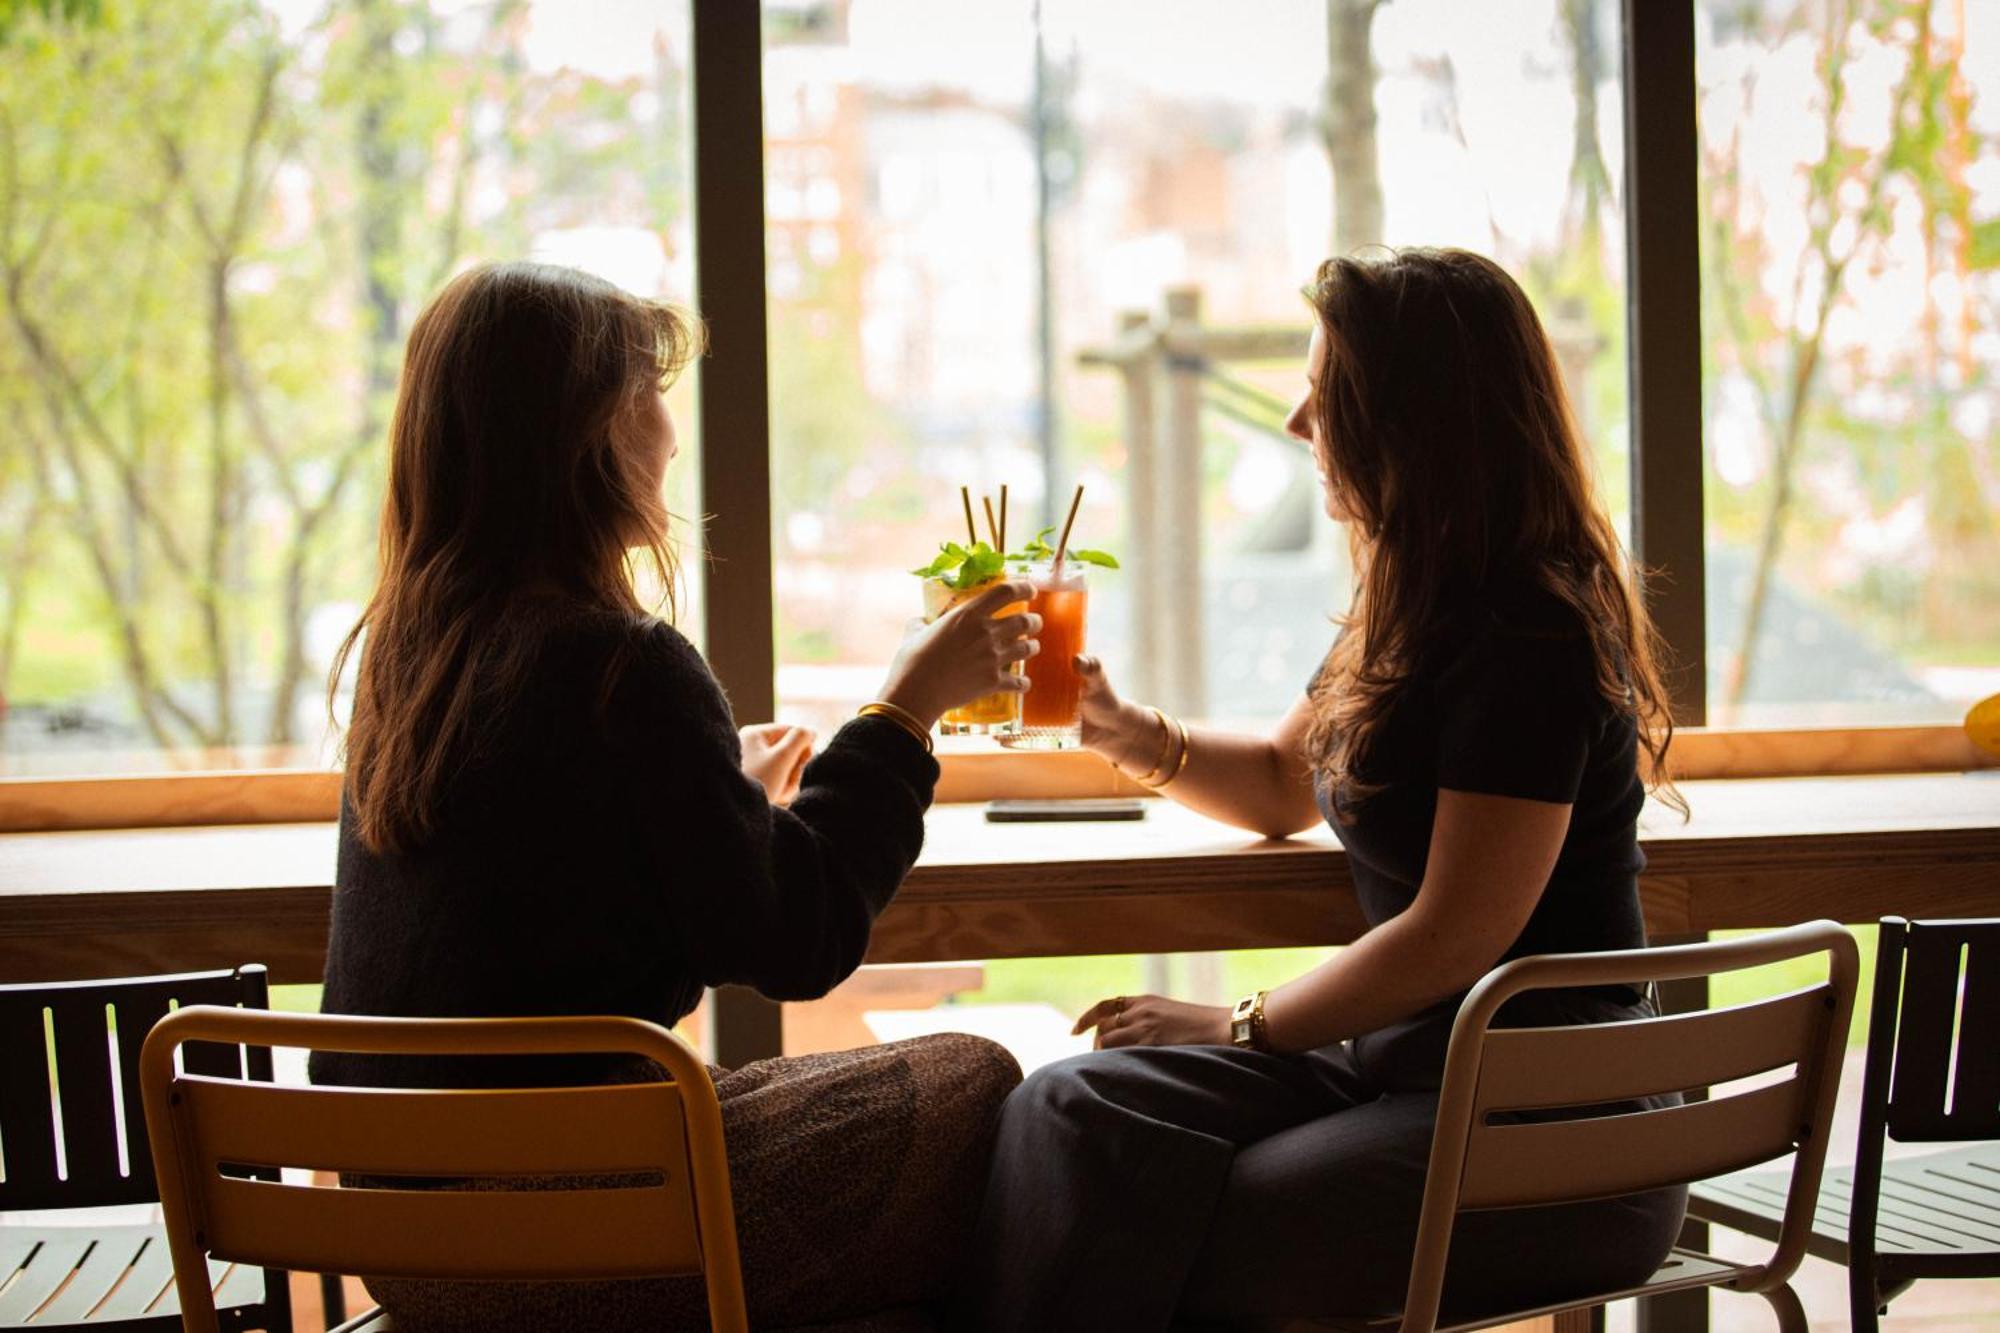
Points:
x=1246 y=1023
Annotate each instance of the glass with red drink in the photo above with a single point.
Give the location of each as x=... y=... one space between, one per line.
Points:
x=1051 y=713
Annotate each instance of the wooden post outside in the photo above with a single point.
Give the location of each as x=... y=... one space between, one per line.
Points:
x=1142 y=490
x=1184 y=686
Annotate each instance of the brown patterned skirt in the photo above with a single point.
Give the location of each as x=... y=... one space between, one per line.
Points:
x=856 y=1177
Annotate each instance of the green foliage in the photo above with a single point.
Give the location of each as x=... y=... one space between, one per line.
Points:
x=1855 y=431
x=213 y=235
x=962 y=567
x=13 y=12
x=1985 y=248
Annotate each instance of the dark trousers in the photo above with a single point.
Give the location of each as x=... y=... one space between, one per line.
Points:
x=1148 y=1188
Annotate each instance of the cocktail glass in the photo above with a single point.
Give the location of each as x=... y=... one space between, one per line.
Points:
x=997 y=714
x=1051 y=712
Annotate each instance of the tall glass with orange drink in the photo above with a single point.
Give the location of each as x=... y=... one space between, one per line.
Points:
x=997 y=714
x=1051 y=717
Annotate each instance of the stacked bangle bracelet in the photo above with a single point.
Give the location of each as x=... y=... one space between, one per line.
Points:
x=902 y=717
x=1166 y=748
x=1169 y=726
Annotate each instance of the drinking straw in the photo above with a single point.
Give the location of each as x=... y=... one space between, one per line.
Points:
x=1002 y=543
x=992 y=528
x=1062 y=542
x=971 y=531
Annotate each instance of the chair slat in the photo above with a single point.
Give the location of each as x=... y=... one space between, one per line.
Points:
x=147 y=1289
x=1924 y=1034
x=108 y=1262
x=89 y=1111
x=635 y=1127
x=1512 y=1165
x=1614 y=1062
x=27 y=1129
x=1975 y=1101
x=53 y=1261
x=137 y=1012
x=528 y=1234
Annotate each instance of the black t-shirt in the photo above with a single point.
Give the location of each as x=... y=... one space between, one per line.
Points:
x=1512 y=708
x=605 y=854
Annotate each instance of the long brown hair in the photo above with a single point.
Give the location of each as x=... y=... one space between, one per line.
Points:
x=513 y=488
x=1448 y=440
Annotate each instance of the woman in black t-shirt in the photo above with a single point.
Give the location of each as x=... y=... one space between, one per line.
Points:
x=1473 y=739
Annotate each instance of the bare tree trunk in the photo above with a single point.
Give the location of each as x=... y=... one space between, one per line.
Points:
x=1589 y=179
x=1348 y=124
x=16 y=570
x=222 y=488
x=155 y=703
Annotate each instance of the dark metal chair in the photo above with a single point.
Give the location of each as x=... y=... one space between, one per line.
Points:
x=73 y=1135
x=1932 y=1076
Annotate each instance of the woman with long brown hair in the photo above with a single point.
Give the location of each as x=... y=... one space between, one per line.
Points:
x=548 y=809
x=1473 y=737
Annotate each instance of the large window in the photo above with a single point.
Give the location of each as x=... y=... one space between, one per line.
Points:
x=217 y=220
x=1850 y=154
x=1048 y=244
x=1024 y=242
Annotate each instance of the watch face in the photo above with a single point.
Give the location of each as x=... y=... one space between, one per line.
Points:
x=1239 y=1031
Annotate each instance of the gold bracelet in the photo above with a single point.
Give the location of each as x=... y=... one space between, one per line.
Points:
x=902 y=717
x=1166 y=748
x=1181 y=767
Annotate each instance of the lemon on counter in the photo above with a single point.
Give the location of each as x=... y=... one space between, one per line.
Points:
x=1982 y=723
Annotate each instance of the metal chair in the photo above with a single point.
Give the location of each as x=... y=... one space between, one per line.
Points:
x=1932 y=1076
x=1477 y=1163
x=73 y=1136
x=674 y=1217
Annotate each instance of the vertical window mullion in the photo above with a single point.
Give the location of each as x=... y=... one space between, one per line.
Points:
x=735 y=407
x=1664 y=255
x=735 y=418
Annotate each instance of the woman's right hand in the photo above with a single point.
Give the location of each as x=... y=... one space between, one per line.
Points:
x=964 y=654
x=1131 y=736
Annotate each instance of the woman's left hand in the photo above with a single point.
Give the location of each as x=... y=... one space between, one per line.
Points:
x=1154 y=1020
x=775 y=753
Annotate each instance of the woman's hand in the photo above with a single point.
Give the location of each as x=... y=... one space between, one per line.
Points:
x=1154 y=1020
x=1132 y=737
x=964 y=654
x=775 y=753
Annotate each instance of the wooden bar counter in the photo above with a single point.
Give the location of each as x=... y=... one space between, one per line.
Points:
x=1757 y=852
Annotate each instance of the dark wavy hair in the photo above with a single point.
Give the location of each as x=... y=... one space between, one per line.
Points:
x=512 y=489
x=1450 y=443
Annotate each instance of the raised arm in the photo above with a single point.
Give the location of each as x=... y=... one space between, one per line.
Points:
x=1259 y=783
x=775 y=898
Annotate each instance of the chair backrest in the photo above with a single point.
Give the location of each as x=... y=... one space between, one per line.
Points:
x=72 y=1134
x=1481 y=1158
x=1937 y=1008
x=668 y=1213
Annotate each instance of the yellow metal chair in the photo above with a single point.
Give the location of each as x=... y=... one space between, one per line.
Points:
x=1482 y=1160
x=207 y=1132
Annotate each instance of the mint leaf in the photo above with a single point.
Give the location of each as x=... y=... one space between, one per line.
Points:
x=950 y=556
x=1102 y=559
x=981 y=563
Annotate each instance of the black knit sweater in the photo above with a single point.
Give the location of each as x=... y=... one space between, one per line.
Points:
x=602 y=852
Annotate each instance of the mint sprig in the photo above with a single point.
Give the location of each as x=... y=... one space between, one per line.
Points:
x=961 y=567
x=1038 y=549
